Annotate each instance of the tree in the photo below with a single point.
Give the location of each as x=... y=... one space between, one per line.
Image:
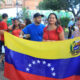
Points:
x=0 y=17
x=64 y=21
x=24 y=13
x=69 y=5
x=2 y=1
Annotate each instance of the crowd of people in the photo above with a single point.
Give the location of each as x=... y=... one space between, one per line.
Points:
x=74 y=28
x=36 y=31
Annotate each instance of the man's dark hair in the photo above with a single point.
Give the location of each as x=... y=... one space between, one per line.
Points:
x=4 y=16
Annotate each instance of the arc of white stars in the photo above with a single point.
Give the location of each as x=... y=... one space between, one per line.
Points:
x=44 y=62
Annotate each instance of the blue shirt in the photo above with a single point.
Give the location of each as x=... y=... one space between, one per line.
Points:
x=35 y=31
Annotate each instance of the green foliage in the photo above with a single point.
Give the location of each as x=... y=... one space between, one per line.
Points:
x=69 y=5
x=64 y=21
x=41 y=6
x=2 y=1
x=0 y=17
x=24 y=13
x=47 y=4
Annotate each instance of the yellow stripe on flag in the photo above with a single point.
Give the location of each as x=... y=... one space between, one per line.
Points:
x=44 y=50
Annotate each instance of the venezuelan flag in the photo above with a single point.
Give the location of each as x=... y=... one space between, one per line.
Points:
x=29 y=60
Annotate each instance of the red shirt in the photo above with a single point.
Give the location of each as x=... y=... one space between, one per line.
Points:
x=16 y=32
x=52 y=34
x=3 y=26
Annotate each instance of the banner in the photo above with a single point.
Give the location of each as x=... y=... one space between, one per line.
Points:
x=30 y=60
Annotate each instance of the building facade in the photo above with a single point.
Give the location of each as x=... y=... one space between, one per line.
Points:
x=30 y=4
x=10 y=4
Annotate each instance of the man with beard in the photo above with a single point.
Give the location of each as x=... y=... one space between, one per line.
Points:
x=34 y=30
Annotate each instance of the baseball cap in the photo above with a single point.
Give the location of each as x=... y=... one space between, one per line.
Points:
x=37 y=15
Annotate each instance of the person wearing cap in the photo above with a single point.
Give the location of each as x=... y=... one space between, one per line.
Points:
x=3 y=28
x=13 y=22
x=34 y=30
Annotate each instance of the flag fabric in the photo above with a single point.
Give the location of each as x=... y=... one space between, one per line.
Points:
x=30 y=60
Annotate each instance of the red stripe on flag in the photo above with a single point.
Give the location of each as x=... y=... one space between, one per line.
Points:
x=11 y=73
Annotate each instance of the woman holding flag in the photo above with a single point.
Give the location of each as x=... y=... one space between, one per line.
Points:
x=16 y=28
x=54 y=31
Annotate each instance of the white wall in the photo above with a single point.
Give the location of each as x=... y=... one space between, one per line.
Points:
x=11 y=11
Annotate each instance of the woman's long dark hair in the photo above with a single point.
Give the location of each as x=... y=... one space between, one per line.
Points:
x=14 y=26
x=27 y=21
x=58 y=22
